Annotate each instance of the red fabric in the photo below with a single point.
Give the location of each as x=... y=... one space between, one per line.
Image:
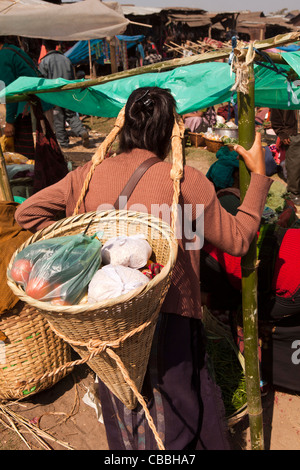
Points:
x=286 y=280
x=231 y=264
x=42 y=53
x=223 y=111
x=281 y=149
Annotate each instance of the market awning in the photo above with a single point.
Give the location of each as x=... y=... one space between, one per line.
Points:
x=88 y=19
x=193 y=87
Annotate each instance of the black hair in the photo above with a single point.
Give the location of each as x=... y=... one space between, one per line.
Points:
x=49 y=44
x=12 y=40
x=149 y=120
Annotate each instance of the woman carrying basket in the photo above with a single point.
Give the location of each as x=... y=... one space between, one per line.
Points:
x=184 y=402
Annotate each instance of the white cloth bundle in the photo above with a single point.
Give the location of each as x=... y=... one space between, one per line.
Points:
x=112 y=280
x=132 y=251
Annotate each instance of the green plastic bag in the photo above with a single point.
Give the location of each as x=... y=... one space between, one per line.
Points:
x=58 y=270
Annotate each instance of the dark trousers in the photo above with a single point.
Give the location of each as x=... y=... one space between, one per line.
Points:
x=60 y=116
x=23 y=139
x=184 y=402
x=292 y=161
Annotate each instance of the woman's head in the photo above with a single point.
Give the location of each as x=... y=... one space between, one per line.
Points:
x=149 y=120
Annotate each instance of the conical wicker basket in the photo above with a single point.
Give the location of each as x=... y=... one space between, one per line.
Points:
x=120 y=329
x=115 y=337
x=29 y=351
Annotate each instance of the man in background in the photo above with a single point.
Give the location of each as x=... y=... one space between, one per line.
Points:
x=15 y=63
x=56 y=65
x=285 y=125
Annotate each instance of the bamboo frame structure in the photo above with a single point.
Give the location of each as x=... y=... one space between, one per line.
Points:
x=249 y=261
x=279 y=40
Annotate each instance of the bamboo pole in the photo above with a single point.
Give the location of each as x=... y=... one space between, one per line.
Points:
x=246 y=118
x=5 y=190
x=159 y=67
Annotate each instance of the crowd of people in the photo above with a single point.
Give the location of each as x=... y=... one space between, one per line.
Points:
x=183 y=400
x=15 y=63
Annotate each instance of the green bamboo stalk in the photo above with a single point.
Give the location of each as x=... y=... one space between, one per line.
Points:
x=246 y=116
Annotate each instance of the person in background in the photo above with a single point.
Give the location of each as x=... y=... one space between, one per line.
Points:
x=278 y=273
x=183 y=400
x=285 y=126
x=262 y=117
x=140 y=54
x=151 y=56
x=200 y=121
x=56 y=65
x=150 y=44
x=15 y=63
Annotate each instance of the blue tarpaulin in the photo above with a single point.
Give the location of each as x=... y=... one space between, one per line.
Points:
x=291 y=48
x=100 y=52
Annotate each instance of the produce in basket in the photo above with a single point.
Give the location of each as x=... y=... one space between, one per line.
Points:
x=114 y=280
x=21 y=270
x=132 y=251
x=58 y=270
x=211 y=136
x=226 y=125
x=229 y=140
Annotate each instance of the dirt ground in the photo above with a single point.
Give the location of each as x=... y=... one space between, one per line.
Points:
x=70 y=423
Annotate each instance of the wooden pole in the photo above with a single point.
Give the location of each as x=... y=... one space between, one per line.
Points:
x=246 y=118
x=5 y=190
x=113 y=55
x=90 y=59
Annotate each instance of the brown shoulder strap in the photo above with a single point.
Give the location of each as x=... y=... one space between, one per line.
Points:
x=133 y=180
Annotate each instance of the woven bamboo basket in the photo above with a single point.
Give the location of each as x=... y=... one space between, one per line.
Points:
x=114 y=337
x=123 y=326
x=197 y=139
x=29 y=350
x=213 y=145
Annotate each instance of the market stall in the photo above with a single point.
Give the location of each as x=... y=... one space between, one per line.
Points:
x=195 y=85
x=98 y=50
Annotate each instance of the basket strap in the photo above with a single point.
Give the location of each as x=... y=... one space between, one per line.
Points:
x=133 y=181
x=96 y=347
x=177 y=166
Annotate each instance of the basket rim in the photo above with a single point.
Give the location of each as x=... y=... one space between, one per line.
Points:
x=197 y=133
x=82 y=220
x=229 y=144
x=214 y=141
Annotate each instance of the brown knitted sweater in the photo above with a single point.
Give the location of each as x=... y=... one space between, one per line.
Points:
x=229 y=233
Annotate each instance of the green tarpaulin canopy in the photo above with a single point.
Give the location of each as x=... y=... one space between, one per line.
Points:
x=193 y=86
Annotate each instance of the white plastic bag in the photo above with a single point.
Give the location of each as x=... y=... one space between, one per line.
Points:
x=112 y=281
x=133 y=251
x=91 y=399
